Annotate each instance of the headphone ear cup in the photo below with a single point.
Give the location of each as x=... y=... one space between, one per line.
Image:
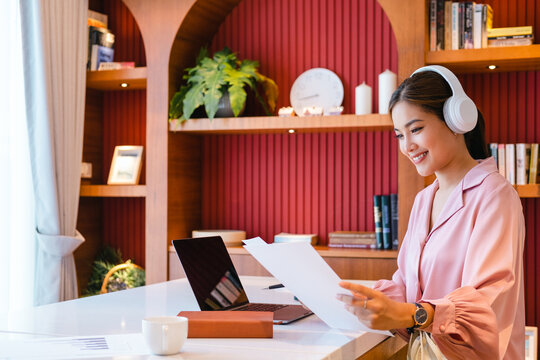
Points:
x=460 y=114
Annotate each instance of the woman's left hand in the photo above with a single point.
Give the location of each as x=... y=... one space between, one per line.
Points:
x=376 y=310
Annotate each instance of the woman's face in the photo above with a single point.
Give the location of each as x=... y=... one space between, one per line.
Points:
x=423 y=138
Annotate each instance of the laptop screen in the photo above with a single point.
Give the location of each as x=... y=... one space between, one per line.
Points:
x=211 y=273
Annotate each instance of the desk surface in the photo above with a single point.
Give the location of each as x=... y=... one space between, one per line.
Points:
x=122 y=312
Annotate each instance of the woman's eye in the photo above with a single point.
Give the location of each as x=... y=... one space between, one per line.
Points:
x=415 y=130
x=398 y=136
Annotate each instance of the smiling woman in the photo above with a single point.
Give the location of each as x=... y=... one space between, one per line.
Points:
x=17 y=241
x=458 y=290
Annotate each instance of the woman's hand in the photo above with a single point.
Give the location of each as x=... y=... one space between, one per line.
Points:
x=376 y=310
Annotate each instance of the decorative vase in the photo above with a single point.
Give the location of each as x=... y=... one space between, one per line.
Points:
x=224 y=107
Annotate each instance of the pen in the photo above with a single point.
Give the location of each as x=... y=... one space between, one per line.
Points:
x=275 y=286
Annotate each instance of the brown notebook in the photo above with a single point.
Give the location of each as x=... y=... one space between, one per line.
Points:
x=229 y=324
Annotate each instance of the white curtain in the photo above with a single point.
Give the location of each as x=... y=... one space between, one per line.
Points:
x=54 y=34
x=17 y=236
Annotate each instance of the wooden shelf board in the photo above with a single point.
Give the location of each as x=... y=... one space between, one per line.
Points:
x=515 y=58
x=113 y=190
x=111 y=79
x=325 y=251
x=528 y=191
x=276 y=124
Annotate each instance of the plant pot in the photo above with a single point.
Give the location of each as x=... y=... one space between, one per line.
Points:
x=224 y=107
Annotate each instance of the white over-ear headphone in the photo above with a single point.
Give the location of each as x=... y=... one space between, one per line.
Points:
x=460 y=113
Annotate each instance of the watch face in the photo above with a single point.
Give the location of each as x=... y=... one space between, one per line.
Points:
x=316 y=87
x=420 y=316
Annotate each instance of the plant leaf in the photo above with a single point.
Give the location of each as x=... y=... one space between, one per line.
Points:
x=193 y=99
x=271 y=91
x=237 y=81
x=177 y=102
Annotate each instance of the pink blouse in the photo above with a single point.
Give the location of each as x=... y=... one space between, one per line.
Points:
x=469 y=266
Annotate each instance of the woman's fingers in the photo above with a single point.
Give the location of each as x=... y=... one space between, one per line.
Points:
x=359 y=289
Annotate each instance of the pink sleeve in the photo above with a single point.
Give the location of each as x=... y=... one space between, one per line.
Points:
x=476 y=320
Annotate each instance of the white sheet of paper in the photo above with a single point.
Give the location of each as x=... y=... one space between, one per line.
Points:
x=78 y=347
x=304 y=272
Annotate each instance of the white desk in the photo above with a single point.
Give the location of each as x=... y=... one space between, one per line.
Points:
x=122 y=312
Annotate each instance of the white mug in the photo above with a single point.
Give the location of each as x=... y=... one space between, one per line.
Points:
x=165 y=335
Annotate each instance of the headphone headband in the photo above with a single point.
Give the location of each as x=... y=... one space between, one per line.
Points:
x=460 y=113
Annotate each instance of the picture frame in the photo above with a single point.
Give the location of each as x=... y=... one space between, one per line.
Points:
x=531 y=342
x=126 y=165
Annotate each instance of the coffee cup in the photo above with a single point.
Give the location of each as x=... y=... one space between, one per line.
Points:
x=165 y=335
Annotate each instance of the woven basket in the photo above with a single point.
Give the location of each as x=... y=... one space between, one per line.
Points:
x=112 y=271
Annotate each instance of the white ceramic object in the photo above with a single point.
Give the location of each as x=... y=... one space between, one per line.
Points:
x=165 y=335
x=230 y=237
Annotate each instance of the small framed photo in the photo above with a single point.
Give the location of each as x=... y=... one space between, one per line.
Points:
x=126 y=165
x=531 y=342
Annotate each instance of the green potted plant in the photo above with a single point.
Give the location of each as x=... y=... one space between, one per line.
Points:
x=220 y=78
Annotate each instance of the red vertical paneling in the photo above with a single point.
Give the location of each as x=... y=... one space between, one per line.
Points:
x=124 y=124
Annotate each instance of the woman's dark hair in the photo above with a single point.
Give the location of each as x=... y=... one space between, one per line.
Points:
x=429 y=90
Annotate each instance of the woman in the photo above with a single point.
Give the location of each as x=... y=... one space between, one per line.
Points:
x=460 y=268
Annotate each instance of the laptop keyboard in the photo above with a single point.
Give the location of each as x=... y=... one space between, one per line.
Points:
x=261 y=307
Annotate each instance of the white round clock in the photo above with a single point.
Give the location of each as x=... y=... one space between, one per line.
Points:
x=316 y=87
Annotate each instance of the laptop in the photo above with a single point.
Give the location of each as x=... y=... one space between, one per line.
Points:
x=216 y=284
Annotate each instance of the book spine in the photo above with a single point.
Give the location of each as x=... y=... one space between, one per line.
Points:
x=455 y=26
x=477 y=26
x=509 y=31
x=510 y=151
x=485 y=19
x=521 y=168
x=378 y=220
x=353 y=241
x=462 y=25
x=468 y=28
x=510 y=42
x=448 y=25
x=386 y=221
x=353 y=246
x=502 y=160
x=533 y=166
x=494 y=148
x=433 y=25
x=489 y=17
x=394 y=220
x=440 y=25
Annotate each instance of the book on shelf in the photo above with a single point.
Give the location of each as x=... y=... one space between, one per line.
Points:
x=394 y=217
x=468 y=25
x=386 y=221
x=116 y=65
x=494 y=149
x=501 y=156
x=533 y=165
x=440 y=25
x=98 y=36
x=97 y=19
x=359 y=239
x=289 y=237
x=447 y=25
x=523 y=152
x=455 y=26
x=377 y=216
x=518 y=40
x=100 y=54
x=433 y=25
x=510 y=152
x=510 y=31
x=461 y=25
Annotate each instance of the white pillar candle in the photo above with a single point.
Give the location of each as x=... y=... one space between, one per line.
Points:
x=362 y=99
x=387 y=85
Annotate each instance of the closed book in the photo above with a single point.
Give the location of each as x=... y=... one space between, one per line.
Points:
x=440 y=25
x=510 y=42
x=468 y=28
x=510 y=151
x=433 y=25
x=447 y=25
x=494 y=148
x=378 y=220
x=522 y=163
x=477 y=25
x=507 y=31
x=394 y=220
x=487 y=22
x=361 y=241
x=461 y=25
x=287 y=238
x=455 y=26
x=100 y=54
x=229 y=324
x=385 y=213
x=533 y=165
x=351 y=234
x=353 y=246
x=502 y=160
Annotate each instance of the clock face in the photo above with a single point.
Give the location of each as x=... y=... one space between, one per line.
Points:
x=316 y=87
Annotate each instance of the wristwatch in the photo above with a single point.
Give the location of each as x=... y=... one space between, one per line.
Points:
x=420 y=318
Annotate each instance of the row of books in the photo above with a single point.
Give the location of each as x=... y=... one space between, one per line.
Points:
x=518 y=163
x=385 y=211
x=457 y=25
x=101 y=45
